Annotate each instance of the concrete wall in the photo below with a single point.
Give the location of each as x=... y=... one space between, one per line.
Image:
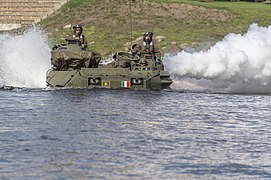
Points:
x=17 y=13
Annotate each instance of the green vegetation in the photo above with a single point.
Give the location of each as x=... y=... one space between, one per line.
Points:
x=107 y=24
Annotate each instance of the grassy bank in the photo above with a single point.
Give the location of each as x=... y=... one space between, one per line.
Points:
x=108 y=24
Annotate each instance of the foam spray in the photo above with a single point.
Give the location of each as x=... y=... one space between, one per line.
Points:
x=24 y=59
x=240 y=63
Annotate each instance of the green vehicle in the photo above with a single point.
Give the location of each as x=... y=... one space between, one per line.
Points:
x=73 y=67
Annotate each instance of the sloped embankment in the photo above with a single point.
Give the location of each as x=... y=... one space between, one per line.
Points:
x=17 y=13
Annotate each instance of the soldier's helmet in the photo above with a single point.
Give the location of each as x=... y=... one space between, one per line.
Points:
x=77 y=26
x=147 y=34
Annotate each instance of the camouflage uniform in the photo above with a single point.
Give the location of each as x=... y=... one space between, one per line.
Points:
x=79 y=36
x=146 y=49
x=81 y=40
x=149 y=48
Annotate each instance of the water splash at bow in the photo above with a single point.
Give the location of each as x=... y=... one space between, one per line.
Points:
x=24 y=59
x=238 y=63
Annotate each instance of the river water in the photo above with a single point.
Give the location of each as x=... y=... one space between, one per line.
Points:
x=214 y=123
x=124 y=134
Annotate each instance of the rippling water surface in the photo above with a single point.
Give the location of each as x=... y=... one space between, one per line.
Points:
x=113 y=134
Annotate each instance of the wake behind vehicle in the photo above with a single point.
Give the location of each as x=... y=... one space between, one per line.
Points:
x=73 y=67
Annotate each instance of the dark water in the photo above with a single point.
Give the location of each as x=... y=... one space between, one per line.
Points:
x=112 y=134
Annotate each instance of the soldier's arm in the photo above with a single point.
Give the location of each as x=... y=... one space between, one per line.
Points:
x=157 y=53
x=85 y=45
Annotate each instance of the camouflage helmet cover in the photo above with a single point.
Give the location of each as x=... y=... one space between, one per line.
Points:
x=148 y=33
x=78 y=26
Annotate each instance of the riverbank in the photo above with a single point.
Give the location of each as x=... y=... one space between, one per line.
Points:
x=110 y=26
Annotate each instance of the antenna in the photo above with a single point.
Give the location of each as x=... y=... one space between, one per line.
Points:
x=131 y=20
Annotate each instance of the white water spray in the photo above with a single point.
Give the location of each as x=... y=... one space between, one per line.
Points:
x=24 y=59
x=238 y=63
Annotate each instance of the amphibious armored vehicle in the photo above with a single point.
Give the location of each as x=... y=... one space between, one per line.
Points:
x=73 y=67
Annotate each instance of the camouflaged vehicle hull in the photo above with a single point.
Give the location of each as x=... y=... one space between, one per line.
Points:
x=124 y=72
x=141 y=78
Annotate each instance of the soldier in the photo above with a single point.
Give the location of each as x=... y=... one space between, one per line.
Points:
x=147 y=47
x=77 y=34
